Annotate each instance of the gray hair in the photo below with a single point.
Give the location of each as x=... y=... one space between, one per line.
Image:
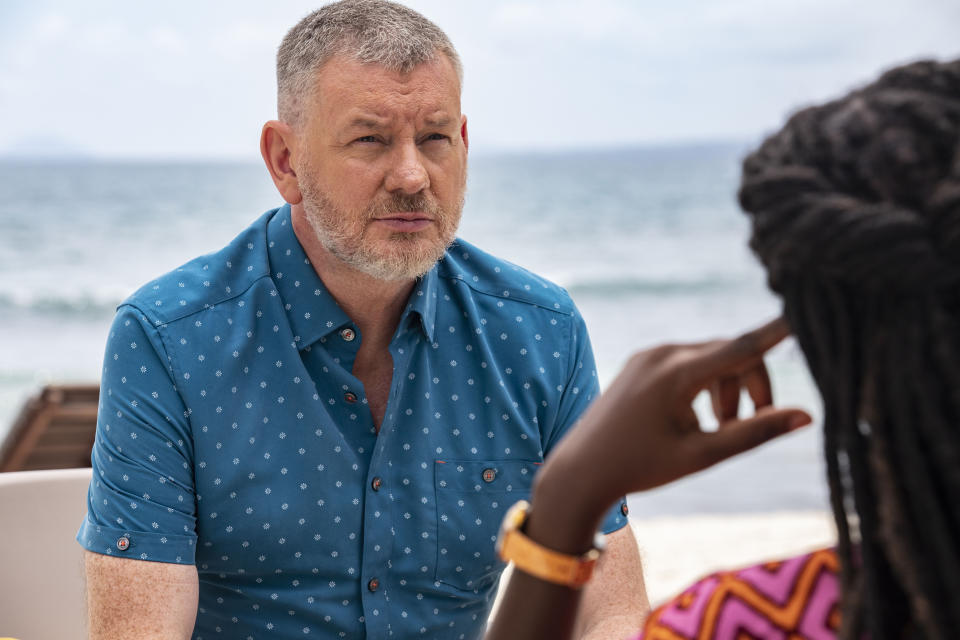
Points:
x=368 y=31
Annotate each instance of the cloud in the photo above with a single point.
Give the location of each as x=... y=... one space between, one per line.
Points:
x=568 y=20
x=167 y=40
x=197 y=78
x=51 y=26
x=238 y=41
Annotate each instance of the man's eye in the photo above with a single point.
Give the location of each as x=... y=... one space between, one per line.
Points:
x=436 y=136
x=366 y=139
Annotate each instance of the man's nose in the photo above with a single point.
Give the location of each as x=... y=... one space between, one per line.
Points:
x=407 y=173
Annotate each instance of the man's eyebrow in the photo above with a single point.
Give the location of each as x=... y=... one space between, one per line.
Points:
x=365 y=122
x=437 y=121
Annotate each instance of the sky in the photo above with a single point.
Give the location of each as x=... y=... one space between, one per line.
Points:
x=185 y=79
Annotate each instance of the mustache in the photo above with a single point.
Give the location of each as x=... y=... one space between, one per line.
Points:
x=406 y=202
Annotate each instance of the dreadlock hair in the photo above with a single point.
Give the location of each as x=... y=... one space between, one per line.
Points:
x=855 y=211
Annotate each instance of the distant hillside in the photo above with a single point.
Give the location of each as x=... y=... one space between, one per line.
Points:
x=44 y=148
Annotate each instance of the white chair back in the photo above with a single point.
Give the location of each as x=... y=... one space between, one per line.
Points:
x=41 y=564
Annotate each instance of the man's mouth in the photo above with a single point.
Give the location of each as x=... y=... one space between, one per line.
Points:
x=407 y=221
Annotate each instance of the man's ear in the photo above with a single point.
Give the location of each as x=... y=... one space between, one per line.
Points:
x=276 y=146
x=463 y=132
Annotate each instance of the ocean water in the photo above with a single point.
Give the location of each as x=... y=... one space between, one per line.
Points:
x=649 y=242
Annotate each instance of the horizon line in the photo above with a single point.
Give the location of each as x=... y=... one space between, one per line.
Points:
x=16 y=157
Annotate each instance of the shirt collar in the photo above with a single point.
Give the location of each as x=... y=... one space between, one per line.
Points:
x=311 y=310
x=423 y=303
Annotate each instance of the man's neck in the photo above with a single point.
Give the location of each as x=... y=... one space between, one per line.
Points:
x=374 y=305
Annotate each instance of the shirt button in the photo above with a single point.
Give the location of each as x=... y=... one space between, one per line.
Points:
x=350 y=397
x=373 y=585
x=376 y=484
x=489 y=475
x=624 y=509
x=348 y=334
x=123 y=543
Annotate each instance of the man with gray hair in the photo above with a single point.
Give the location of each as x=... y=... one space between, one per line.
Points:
x=316 y=431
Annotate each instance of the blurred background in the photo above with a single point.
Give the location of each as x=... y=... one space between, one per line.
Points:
x=606 y=138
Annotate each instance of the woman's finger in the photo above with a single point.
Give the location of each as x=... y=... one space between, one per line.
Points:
x=734 y=356
x=756 y=381
x=725 y=397
x=741 y=435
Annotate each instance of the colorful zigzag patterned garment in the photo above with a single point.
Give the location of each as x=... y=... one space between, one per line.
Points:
x=795 y=599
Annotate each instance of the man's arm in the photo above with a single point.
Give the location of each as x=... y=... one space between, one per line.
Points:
x=142 y=491
x=139 y=600
x=615 y=603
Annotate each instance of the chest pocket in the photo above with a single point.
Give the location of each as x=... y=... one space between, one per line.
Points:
x=472 y=498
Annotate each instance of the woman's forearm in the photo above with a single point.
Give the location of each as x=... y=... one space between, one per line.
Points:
x=560 y=520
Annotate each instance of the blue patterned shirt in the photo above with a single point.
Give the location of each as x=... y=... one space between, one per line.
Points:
x=233 y=435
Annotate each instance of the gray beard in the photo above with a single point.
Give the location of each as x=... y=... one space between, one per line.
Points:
x=403 y=257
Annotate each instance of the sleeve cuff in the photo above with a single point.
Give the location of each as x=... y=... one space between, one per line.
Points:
x=616 y=518
x=137 y=545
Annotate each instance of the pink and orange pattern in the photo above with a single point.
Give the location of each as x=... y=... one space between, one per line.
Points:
x=795 y=599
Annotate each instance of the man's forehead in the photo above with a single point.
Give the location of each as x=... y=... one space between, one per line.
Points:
x=377 y=118
x=364 y=94
x=347 y=72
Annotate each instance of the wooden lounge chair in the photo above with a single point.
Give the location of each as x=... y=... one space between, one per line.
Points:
x=55 y=430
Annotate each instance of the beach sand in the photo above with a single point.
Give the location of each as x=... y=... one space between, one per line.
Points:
x=677 y=550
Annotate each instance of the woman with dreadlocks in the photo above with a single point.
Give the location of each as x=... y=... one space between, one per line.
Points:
x=855 y=209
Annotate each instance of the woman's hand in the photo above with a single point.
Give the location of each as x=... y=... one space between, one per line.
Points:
x=643 y=432
x=640 y=434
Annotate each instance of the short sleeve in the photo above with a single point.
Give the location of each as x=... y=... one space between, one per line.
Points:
x=582 y=388
x=141 y=498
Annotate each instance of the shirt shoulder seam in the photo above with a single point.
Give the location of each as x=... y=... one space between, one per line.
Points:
x=564 y=310
x=169 y=352
x=158 y=321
